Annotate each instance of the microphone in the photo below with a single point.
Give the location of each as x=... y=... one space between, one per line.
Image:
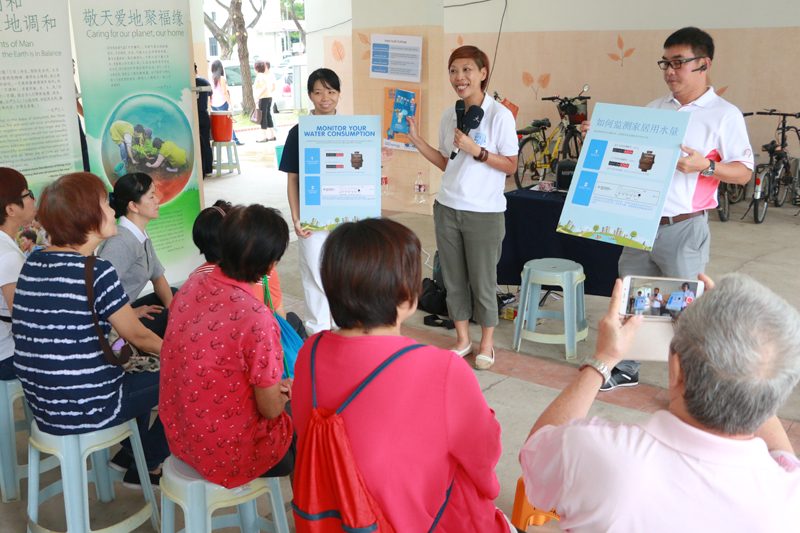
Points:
x=460 y=108
x=472 y=119
x=704 y=67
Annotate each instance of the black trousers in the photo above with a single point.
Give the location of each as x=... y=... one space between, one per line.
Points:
x=265 y=105
x=205 y=150
x=159 y=323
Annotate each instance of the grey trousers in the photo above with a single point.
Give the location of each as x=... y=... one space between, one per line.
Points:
x=469 y=246
x=680 y=251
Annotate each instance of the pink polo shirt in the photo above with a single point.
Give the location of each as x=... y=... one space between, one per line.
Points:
x=662 y=475
x=420 y=424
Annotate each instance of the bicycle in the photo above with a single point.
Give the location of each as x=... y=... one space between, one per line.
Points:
x=537 y=151
x=728 y=194
x=775 y=179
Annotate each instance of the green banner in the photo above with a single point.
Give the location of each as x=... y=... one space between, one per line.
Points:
x=136 y=74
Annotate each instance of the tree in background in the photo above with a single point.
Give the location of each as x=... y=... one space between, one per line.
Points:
x=225 y=35
x=296 y=12
x=234 y=32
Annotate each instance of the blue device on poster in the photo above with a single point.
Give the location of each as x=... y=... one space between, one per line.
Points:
x=404 y=106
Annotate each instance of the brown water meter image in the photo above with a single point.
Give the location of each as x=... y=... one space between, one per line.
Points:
x=647 y=160
x=357 y=160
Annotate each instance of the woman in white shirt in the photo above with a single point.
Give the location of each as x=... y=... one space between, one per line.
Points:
x=17 y=209
x=263 y=88
x=468 y=213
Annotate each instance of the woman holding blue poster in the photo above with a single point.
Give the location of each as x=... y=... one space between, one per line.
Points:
x=468 y=212
x=323 y=91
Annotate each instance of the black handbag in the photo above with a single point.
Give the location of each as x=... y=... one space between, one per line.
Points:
x=433 y=298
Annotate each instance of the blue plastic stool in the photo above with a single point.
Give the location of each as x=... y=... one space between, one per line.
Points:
x=569 y=276
x=10 y=471
x=72 y=452
x=182 y=484
x=233 y=157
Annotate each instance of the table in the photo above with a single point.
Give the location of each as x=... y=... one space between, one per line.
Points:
x=531 y=220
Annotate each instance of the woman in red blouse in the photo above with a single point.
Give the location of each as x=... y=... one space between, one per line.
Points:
x=222 y=398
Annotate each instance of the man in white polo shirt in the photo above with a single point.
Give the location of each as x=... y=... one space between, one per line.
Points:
x=717 y=148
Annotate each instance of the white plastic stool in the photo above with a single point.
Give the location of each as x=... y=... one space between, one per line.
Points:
x=10 y=471
x=72 y=452
x=233 y=157
x=182 y=484
x=566 y=274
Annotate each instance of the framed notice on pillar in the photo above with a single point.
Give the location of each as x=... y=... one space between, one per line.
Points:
x=136 y=72
x=39 y=133
x=340 y=170
x=396 y=57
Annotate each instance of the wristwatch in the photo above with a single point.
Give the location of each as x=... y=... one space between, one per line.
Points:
x=597 y=365
x=709 y=171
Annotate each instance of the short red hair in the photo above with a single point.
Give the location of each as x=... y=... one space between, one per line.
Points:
x=70 y=208
x=12 y=185
x=474 y=53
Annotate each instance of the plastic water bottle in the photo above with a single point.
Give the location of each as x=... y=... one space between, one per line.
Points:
x=420 y=187
x=385 y=185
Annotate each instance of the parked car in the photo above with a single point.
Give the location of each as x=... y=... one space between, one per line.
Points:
x=233 y=73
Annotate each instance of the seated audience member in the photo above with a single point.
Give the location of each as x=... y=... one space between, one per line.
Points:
x=17 y=209
x=204 y=235
x=27 y=240
x=131 y=251
x=221 y=386
x=717 y=459
x=69 y=385
x=421 y=433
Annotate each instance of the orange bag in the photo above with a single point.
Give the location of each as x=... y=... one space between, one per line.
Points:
x=329 y=493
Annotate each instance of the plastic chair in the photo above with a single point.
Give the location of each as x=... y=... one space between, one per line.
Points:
x=233 y=157
x=524 y=514
x=566 y=274
x=72 y=452
x=182 y=484
x=10 y=471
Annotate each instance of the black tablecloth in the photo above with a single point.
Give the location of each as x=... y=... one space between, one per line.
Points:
x=531 y=220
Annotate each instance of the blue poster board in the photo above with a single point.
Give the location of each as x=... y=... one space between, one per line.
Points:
x=340 y=169
x=623 y=175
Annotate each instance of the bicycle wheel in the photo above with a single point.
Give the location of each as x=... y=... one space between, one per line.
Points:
x=760 y=205
x=723 y=203
x=781 y=189
x=736 y=193
x=526 y=160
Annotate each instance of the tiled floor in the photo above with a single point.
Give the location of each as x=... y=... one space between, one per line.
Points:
x=520 y=385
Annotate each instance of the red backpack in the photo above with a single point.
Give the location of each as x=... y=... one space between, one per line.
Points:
x=329 y=493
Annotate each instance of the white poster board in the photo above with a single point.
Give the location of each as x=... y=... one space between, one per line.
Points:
x=396 y=57
x=39 y=132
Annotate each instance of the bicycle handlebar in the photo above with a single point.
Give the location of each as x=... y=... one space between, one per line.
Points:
x=747 y=114
x=559 y=99
x=773 y=112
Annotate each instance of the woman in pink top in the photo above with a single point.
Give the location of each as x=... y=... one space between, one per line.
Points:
x=423 y=423
x=220 y=97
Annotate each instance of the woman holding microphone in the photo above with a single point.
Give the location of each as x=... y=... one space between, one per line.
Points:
x=468 y=212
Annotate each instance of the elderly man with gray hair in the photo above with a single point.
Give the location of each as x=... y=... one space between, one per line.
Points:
x=717 y=459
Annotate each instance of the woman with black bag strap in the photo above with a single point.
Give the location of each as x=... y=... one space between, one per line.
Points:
x=71 y=380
